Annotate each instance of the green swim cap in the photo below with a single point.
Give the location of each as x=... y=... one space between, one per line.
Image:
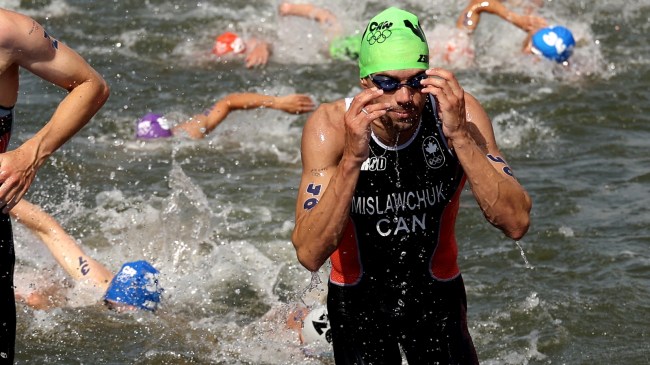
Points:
x=346 y=48
x=393 y=40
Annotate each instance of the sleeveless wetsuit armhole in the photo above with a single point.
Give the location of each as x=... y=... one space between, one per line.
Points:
x=348 y=102
x=4 y=111
x=6 y=121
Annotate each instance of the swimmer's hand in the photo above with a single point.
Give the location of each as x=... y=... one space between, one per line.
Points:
x=17 y=171
x=259 y=53
x=294 y=103
x=450 y=97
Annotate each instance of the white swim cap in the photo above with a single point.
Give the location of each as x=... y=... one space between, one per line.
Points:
x=316 y=326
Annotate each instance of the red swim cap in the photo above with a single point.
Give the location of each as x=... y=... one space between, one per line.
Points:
x=228 y=42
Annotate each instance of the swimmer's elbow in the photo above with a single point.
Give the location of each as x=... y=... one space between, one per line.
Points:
x=96 y=88
x=104 y=91
x=518 y=222
x=518 y=231
x=308 y=260
x=309 y=263
x=306 y=255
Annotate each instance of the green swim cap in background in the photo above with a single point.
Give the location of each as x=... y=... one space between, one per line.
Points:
x=393 y=40
x=346 y=48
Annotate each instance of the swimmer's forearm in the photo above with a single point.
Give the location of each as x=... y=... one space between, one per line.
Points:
x=518 y=20
x=238 y=101
x=318 y=231
x=309 y=11
x=63 y=247
x=301 y=10
x=72 y=114
x=503 y=201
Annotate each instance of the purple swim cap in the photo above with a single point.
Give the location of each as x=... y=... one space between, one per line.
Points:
x=152 y=126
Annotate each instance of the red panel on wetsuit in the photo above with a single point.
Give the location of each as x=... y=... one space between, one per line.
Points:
x=346 y=264
x=444 y=265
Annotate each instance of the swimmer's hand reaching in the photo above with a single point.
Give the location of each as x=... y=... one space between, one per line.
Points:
x=294 y=103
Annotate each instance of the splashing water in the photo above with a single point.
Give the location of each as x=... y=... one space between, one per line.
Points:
x=316 y=292
x=523 y=255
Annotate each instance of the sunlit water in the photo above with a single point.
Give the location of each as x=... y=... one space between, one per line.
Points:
x=215 y=216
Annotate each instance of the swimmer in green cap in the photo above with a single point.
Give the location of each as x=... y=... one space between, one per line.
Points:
x=393 y=40
x=382 y=176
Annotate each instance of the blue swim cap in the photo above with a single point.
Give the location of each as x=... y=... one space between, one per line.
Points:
x=152 y=126
x=555 y=43
x=135 y=284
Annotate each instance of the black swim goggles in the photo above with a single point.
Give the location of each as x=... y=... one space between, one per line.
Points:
x=389 y=84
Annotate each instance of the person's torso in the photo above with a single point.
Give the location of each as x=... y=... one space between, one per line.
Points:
x=403 y=211
x=8 y=83
x=9 y=70
x=6 y=122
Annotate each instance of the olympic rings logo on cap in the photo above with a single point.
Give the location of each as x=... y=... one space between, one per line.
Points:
x=379 y=32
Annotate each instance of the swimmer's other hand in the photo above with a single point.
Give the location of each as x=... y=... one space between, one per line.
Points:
x=294 y=103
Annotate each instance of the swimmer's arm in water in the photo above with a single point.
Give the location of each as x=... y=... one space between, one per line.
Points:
x=309 y=11
x=202 y=124
x=527 y=44
x=328 y=21
x=527 y=23
x=259 y=53
x=470 y=16
x=63 y=247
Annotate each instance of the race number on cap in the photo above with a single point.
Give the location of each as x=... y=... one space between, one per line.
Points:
x=316 y=326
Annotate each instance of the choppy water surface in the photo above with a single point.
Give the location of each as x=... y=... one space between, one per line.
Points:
x=215 y=216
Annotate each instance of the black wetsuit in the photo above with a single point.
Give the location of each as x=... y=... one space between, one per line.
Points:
x=395 y=281
x=7 y=260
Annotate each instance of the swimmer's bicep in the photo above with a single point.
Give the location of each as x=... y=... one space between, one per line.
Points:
x=320 y=152
x=485 y=139
x=312 y=187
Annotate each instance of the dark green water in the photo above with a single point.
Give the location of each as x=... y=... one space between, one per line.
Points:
x=215 y=216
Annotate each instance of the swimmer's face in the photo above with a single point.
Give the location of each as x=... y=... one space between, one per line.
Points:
x=406 y=101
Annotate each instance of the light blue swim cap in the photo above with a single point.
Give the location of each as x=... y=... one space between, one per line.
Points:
x=135 y=284
x=555 y=43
